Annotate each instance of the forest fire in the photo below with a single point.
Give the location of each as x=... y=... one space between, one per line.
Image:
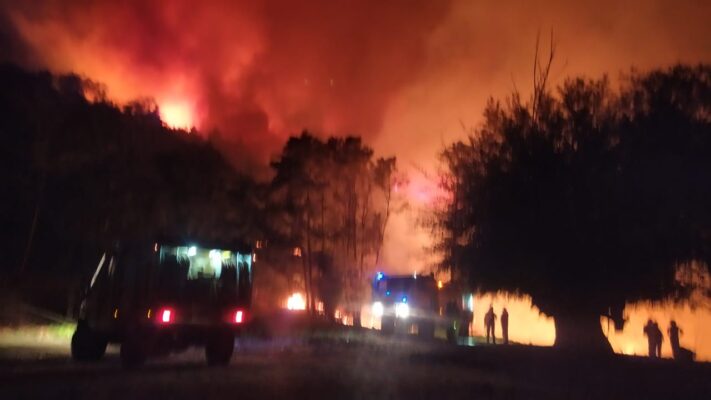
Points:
x=339 y=177
x=260 y=73
x=296 y=302
x=178 y=115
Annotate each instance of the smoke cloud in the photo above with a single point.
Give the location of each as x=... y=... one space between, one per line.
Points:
x=247 y=73
x=404 y=74
x=407 y=75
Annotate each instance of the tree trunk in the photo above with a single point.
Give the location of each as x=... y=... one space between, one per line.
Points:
x=30 y=239
x=305 y=267
x=309 y=262
x=323 y=224
x=33 y=227
x=581 y=333
x=381 y=232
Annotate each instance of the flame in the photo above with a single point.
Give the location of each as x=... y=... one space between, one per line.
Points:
x=296 y=302
x=177 y=114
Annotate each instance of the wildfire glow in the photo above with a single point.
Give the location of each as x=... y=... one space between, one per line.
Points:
x=296 y=302
x=178 y=115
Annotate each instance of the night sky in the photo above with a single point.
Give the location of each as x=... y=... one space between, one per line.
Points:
x=249 y=75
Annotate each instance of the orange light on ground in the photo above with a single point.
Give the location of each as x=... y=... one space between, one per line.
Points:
x=526 y=323
x=694 y=322
x=178 y=115
x=296 y=302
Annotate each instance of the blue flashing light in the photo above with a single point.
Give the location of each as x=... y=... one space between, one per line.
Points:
x=379 y=276
x=387 y=293
x=404 y=299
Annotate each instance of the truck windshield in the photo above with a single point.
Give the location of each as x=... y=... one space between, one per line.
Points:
x=193 y=273
x=397 y=285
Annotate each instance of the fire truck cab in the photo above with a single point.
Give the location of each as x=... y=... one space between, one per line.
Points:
x=405 y=303
x=155 y=298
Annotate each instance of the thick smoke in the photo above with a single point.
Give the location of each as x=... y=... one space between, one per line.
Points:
x=249 y=73
x=396 y=72
x=487 y=48
x=406 y=75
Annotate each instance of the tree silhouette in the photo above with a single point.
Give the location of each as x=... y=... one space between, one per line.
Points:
x=81 y=173
x=589 y=200
x=334 y=203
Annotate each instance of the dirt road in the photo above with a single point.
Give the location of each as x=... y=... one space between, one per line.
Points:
x=335 y=369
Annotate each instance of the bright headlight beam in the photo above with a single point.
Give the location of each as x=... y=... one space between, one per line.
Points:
x=377 y=309
x=402 y=310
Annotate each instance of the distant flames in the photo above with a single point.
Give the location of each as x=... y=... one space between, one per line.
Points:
x=178 y=114
x=258 y=73
x=296 y=302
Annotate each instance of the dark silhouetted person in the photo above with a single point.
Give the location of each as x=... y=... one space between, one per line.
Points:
x=659 y=338
x=674 y=332
x=490 y=324
x=651 y=334
x=505 y=325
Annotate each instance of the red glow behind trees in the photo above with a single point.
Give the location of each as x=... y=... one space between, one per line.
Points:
x=594 y=200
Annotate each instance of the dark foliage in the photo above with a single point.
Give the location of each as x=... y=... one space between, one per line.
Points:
x=332 y=199
x=588 y=198
x=86 y=173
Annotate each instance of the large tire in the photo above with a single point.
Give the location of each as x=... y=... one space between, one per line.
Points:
x=87 y=345
x=219 y=347
x=133 y=352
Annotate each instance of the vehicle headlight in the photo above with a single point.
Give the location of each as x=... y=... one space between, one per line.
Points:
x=377 y=309
x=402 y=310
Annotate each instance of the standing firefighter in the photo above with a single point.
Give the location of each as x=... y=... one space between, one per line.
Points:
x=505 y=325
x=490 y=324
x=650 y=330
x=674 y=332
x=659 y=338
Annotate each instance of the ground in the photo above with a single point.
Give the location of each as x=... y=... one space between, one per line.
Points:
x=360 y=366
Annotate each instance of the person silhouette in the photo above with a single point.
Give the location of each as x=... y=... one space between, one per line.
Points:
x=674 y=332
x=651 y=338
x=659 y=338
x=490 y=324
x=505 y=325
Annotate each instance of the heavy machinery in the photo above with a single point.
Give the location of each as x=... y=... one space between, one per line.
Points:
x=154 y=298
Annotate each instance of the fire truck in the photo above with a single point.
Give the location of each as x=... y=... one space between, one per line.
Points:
x=154 y=298
x=406 y=303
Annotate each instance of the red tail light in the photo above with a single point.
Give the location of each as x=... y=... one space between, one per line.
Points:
x=166 y=316
x=238 y=317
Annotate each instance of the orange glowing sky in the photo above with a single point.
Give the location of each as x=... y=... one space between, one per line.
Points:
x=412 y=72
